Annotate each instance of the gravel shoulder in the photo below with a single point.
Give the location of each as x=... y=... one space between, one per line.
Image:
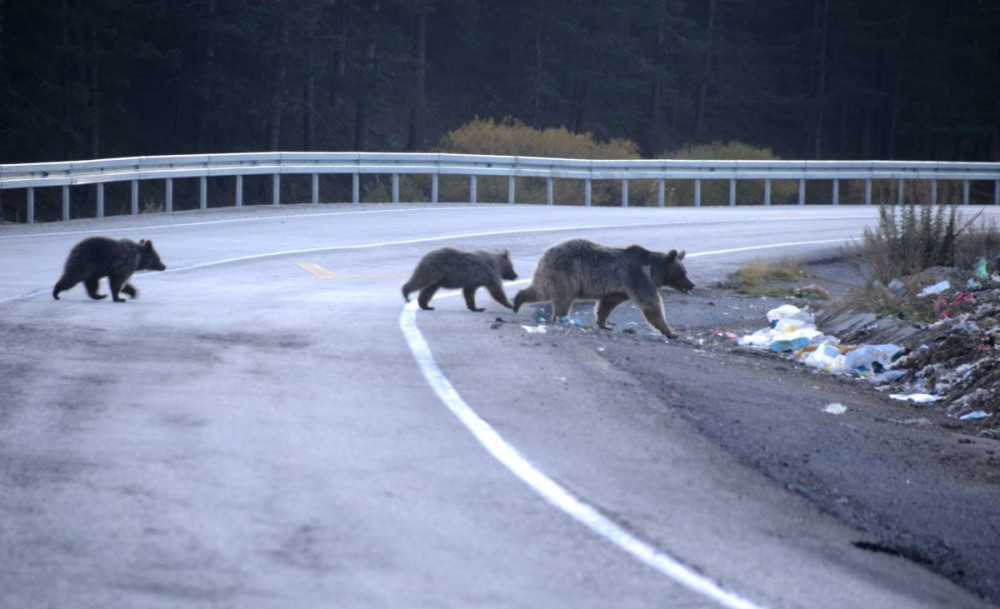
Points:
x=912 y=480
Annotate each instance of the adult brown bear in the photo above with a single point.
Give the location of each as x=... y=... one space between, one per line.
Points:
x=579 y=269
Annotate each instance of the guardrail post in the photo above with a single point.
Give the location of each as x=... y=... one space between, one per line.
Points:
x=996 y=192
x=65 y=203
x=934 y=183
x=239 y=191
x=624 y=193
x=276 y=189
x=472 y=188
x=549 y=199
x=697 y=192
x=395 y=188
x=802 y=191
x=356 y=188
x=135 y=197
x=836 y=191
x=31 y=205
x=100 y=199
x=588 y=192
x=868 y=191
x=732 y=192
x=435 y=186
x=170 y=195
x=965 y=192
x=899 y=191
x=315 y=188
x=510 y=189
x=661 y=192
x=203 y=192
x=767 y=192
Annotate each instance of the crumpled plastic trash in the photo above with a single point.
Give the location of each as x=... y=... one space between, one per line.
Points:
x=794 y=340
x=975 y=415
x=916 y=398
x=875 y=358
x=789 y=312
x=887 y=377
x=937 y=288
x=835 y=408
x=534 y=329
x=825 y=357
x=981 y=273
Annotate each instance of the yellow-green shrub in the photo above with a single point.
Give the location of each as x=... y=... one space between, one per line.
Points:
x=511 y=137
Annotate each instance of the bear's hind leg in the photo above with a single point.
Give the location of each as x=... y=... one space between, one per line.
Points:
x=65 y=282
x=561 y=308
x=470 y=298
x=425 y=297
x=129 y=289
x=604 y=307
x=410 y=286
x=496 y=291
x=91 y=283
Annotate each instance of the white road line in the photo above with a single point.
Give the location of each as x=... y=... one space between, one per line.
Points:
x=550 y=490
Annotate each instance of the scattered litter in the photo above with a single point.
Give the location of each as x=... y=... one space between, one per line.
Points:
x=937 y=288
x=792 y=331
x=835 y=408
x=889 y=376
x=981 y=273
x=916 y=398
x=826 y=357
x=725 y=334
x=534 y=329
x=975 y=415
x=874 y=358
x=790 y=312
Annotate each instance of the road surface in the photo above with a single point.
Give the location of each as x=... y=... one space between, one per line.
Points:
x=269 y=426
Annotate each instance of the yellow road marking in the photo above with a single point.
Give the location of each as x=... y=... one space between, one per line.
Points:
x=322 y=273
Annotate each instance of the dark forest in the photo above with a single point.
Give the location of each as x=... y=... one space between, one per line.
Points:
x=809 y=79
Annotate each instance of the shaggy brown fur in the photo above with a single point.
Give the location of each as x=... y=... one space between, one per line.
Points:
x=583 y=270
x=97 y=257
x=452 y=268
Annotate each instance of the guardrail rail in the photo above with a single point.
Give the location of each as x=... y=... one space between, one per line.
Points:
x=134 y=170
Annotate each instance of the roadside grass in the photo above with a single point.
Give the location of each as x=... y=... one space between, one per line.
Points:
x=780 y=279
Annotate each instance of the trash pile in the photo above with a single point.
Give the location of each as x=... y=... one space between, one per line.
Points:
x=952 y=363
x=793 y=330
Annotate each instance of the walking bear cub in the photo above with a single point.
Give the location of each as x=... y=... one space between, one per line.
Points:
x=97 y=257
x=579 y=269
x=452 y=268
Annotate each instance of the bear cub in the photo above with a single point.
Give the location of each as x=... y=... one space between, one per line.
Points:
x=579 y=269
x=97 y=257
x=452 y=268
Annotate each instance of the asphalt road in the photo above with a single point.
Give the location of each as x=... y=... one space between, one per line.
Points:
x=269 y=426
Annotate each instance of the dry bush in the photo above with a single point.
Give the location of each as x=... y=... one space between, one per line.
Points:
x=511 y=137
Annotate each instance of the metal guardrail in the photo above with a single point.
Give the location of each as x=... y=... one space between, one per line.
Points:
x=136 y=169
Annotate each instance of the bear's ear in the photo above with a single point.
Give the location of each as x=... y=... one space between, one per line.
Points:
x=505 y=253
x=681 y=254
x=670 y=256
x=146 y=244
